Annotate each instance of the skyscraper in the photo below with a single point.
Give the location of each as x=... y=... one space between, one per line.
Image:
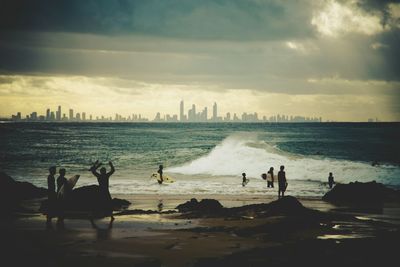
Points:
x=58 y=114
x=182 y=112
x=215 y=112
x=71 y=114
x=48 y=114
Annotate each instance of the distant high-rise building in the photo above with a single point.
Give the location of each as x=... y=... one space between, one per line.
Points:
x=58 y=115
x=78 y=116
x=71 y=114
x=52 y=116
x=215 y=112
x=83 y=116
x=34 y=116
x=182 y=112
x=48 y=114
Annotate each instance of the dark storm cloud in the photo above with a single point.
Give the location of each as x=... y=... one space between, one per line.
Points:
x=379 y=5
x=209 y=19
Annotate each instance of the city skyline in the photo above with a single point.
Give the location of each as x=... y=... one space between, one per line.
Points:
x=191 y=116
x=331 y=58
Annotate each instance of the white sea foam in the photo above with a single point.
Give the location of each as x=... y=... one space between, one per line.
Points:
x=245 y=153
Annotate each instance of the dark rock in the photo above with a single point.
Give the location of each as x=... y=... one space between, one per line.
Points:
x=206 y=206
x=371 y=193
x=13 y=192
x=86 y=200
x=288 y=206
x=19 y=190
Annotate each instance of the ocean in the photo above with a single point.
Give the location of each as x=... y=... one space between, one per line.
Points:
x=205 y=158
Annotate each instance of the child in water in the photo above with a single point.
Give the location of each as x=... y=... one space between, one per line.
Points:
x=244 y=179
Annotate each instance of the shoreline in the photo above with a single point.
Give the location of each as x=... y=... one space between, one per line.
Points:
x=224 y=229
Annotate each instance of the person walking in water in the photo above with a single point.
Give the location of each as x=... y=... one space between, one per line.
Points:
x=51 y=196
x=104 y=194
x=282 y=182
x=270 y=177
x=331 y=180
x=244 y=179
x=160 y=172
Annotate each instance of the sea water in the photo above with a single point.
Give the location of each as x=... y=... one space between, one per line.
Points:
x=205 y=158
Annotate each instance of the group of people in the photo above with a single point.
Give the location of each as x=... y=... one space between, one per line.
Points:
x=282 y=182
x=269 y=176
x=57 y=202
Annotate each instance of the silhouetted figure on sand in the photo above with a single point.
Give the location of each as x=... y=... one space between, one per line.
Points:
x=103 y=178
x=244 y=179
x=270 y=177
x=282 y=182
x=61 y=202
x=51 y=196
x=331 y=180
x=160 y=172
x=61 y=180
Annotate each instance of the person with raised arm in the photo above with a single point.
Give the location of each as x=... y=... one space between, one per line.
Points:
x=103 y=179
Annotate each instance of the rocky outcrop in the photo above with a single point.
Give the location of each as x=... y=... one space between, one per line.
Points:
x=287 y=206
x=205 y=206
x=85 y=200
x=370 y=193
x=13 y=192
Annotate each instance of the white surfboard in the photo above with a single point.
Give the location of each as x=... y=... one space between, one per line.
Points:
x=269 y=178
x=71 y=182
x=166 y=178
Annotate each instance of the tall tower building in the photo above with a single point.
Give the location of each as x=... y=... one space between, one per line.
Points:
x=48 y=114
x=182 y=112
x=215 y=112
x=58 y=116
x=71 y=114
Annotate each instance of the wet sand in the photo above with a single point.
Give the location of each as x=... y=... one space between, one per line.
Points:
x=162 y=239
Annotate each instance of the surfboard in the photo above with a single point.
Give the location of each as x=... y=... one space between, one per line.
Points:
x=71 y=182
x=269 y=178
x=166 y=178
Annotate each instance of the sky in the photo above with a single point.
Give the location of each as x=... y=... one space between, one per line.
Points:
x=336 y=59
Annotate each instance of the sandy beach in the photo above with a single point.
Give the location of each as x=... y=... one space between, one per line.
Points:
x=164 y=237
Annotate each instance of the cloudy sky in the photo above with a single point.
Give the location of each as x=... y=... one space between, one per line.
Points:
x=335 y=59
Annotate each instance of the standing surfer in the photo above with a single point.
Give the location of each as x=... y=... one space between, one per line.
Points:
x=282 y=182
x=61 y=202
x=104 y=194
x=51 y=196
x=160 y=172
x=270 y=177
x=331 y=180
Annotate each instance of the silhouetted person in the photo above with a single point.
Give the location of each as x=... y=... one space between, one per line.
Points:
x=244 y=179
x=270 y=178
x=51 y=196
x=61 y=202
x=160 y=172
x=331 y=180
x=282 y=181
x=104 y=194
x=61 y=180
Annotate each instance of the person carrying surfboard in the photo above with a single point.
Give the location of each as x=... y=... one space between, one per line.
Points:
x=160 y=172
x=61 y=202
x=104 y=194
x=270 y=177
